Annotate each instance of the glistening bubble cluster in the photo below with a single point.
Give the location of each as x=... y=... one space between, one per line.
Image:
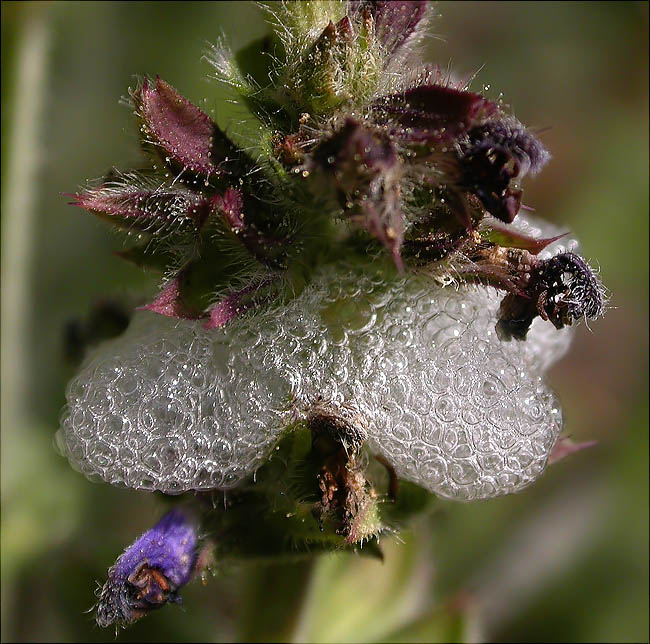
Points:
x=171 y=406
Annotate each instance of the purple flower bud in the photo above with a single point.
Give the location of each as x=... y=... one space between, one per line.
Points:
x=170 y=302
x=395 y=20
x=495 y=153
x=188 y=137
x=513 y=138
x=237 y=303
x=150 y=571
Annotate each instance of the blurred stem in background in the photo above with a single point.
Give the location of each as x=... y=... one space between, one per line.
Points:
x=20 y=176
x=28 y=87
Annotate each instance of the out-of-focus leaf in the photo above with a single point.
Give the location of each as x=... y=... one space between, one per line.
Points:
x=355 y=599
x=441 y=625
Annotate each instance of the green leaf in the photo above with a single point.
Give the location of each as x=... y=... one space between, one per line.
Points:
x=354 y=599
x=440 y=625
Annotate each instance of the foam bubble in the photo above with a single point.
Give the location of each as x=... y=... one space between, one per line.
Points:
x=173 y=407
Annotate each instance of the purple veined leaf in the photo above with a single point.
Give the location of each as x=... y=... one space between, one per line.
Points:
x=187 y=136
x=435 y=113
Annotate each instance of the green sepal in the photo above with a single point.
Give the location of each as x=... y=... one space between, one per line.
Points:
x=515 y=239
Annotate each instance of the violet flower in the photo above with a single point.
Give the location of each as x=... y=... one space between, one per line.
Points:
x=150 y=572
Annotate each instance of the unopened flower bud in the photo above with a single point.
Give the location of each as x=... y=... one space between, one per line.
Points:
x=186 y=136
x=494 y=154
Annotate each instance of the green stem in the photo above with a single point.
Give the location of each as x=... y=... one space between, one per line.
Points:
x=18 y=223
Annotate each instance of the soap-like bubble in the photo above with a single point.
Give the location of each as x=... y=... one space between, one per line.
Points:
x=171 y=406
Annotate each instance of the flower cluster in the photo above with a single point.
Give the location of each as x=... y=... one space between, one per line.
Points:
x=416 y=160
x=330 y=295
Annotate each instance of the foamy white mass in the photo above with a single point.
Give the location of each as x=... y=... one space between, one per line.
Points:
x=171 y=406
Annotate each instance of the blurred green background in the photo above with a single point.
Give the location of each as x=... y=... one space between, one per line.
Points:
x=565 y=561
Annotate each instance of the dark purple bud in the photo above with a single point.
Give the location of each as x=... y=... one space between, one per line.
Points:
x=513 y=139
x=494 y=154
x=571 y=290
x=171 y=302
x=361 y=166
x=487 y=174
x=561 y=289
x=432 y=113
x=395 y=20
x=150 y=572
x=135 y=207
x=187 y=137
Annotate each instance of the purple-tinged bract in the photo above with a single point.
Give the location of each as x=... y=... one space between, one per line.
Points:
x=186 y=135
x=433 y=113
